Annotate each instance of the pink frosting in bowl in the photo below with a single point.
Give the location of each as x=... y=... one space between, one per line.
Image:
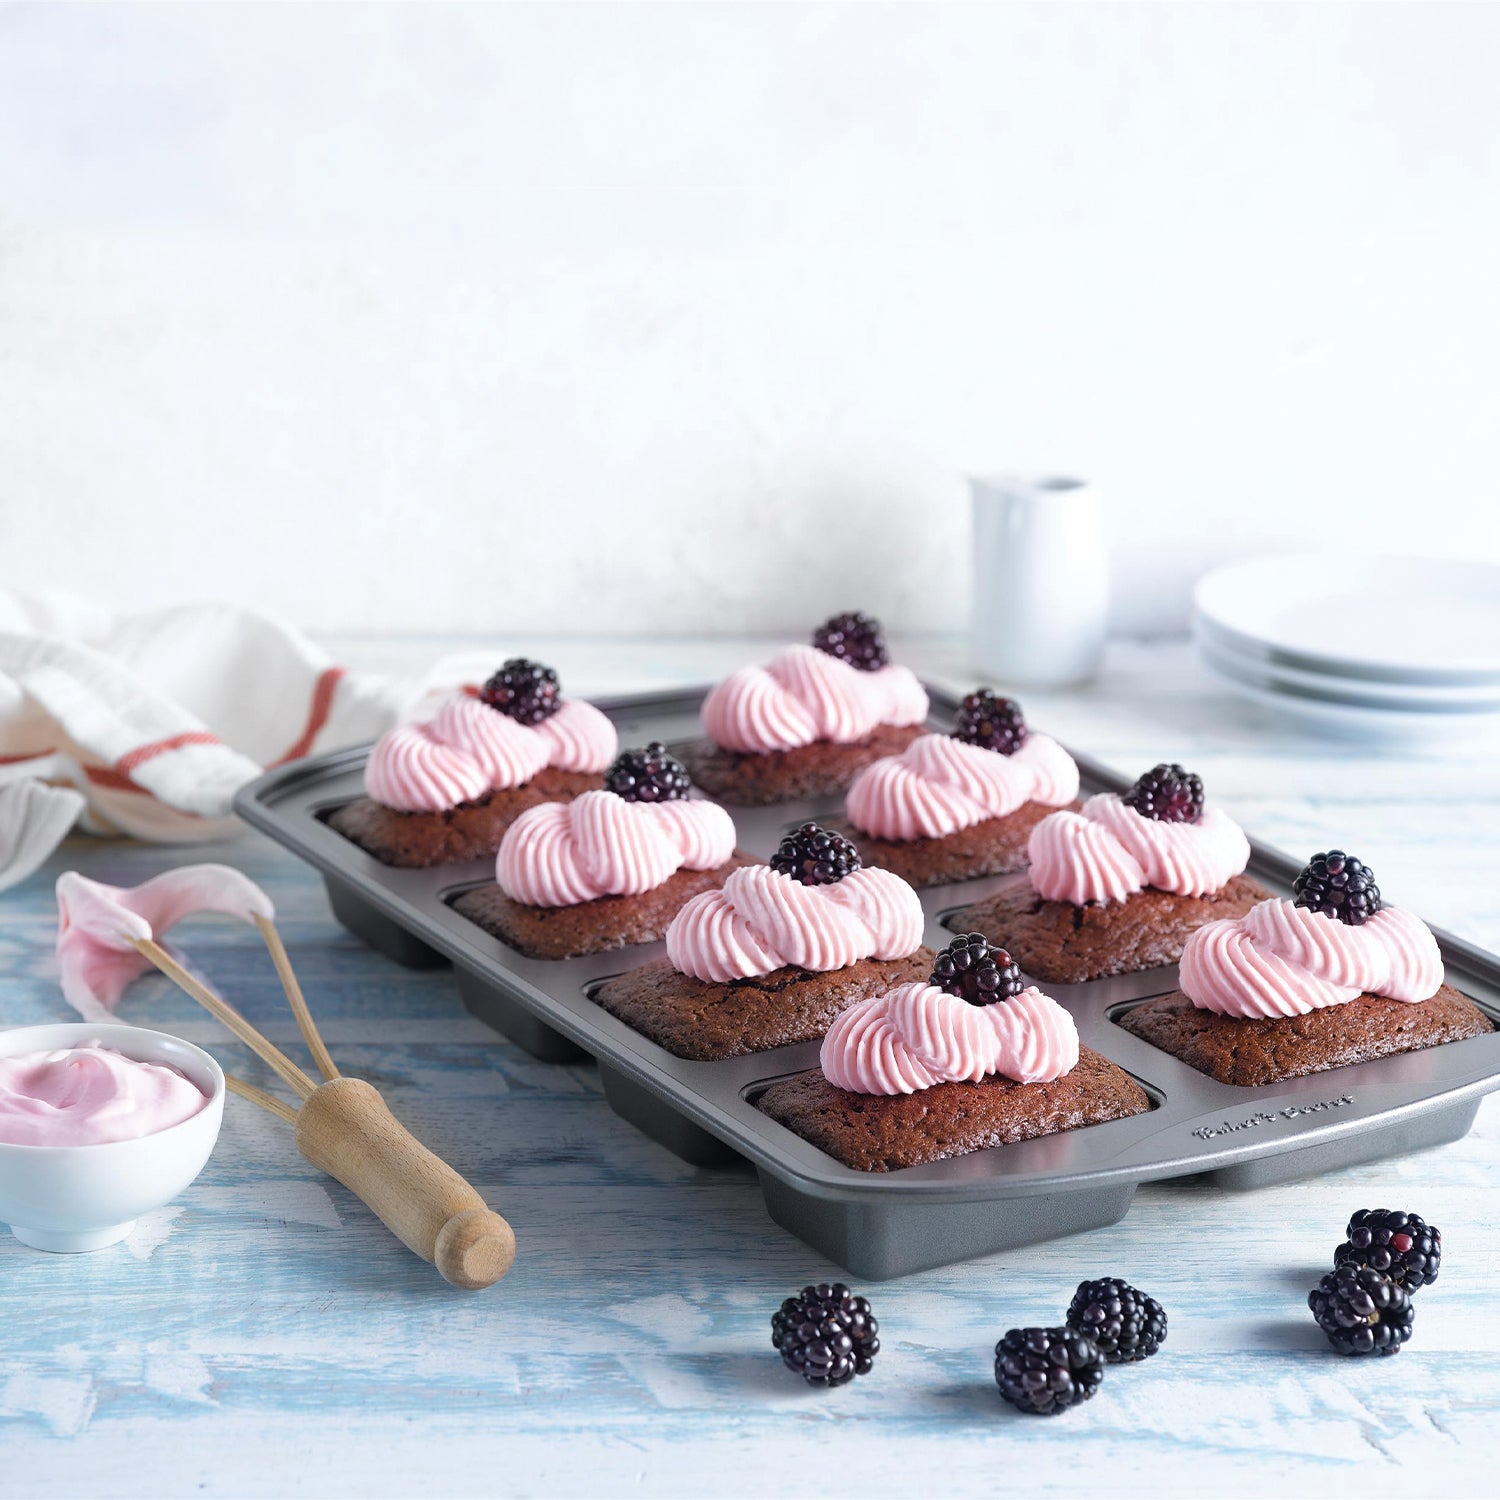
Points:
x=1107 y=851
x=566 y=853
x=804 y=695
x=1280 y=959
x=918 y=1035
x=467 y=750
x=939 y=785
x=762 y=920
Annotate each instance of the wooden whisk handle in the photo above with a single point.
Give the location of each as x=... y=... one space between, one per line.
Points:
x=345 y=1129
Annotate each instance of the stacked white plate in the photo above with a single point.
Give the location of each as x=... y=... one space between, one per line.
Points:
x=1387 y=648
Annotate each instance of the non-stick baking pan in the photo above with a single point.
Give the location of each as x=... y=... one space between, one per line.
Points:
x=891 y=1223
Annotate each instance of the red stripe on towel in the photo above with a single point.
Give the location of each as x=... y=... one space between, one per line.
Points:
x=317 y=716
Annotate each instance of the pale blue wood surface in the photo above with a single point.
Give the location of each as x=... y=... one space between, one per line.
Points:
x=266 y=1335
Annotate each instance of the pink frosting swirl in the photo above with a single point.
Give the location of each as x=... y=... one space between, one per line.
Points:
x=762 y=920
x=565 y=853
x=1286 y=960
x=1108 y=851
x=918 y=1035
x=805 y=695
x=938 y=785
x=468 y=749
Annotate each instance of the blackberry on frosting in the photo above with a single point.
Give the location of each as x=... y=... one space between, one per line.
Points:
x=814 y=856
x=1167 y=794
x=652 y=774
x=991 y=722
x=971 y=969
x=1339 y=886
x=523 y=690
x=854 y=638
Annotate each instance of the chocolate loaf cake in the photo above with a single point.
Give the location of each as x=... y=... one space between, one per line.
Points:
x=884 y=1132
x=1255 y=1050
x=1064 y=944
x=591 y=926
x=417 y=840
x=702 y=1020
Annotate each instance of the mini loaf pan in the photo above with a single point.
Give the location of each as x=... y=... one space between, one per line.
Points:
x=881 y=1225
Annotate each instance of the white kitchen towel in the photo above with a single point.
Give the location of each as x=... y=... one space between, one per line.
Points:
x=149 y=725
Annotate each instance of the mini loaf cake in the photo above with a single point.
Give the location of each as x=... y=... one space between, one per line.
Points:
x=609 y=869
x=959 y=805
x=1119 y=885
x=967 y=1059
x=776 y=954
x=1331 y=977
x=803 y=725
x=447 y=789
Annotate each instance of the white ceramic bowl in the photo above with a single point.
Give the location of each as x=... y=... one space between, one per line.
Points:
x=72 y=1198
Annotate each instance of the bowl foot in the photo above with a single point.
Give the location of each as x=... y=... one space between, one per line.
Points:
x=71 y=1242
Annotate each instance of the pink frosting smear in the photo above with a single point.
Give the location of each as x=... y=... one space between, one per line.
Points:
x=805 y=695
x=467 y=750
x=938 y=785
x=919 y=1035
x=98 y=924
x=565 y=853
x=1107 y=851
x=89 y=1096
x=1286 y=960
x=762 y=920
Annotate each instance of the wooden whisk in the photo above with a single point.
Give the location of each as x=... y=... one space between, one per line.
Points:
x=344 y=1128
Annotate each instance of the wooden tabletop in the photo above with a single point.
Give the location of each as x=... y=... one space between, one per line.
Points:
x=265 y=1334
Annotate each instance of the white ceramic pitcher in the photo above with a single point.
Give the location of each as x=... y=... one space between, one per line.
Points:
x=1041 y=582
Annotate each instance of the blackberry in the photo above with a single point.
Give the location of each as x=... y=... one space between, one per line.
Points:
x=826 y=1334
x=972 y=969
x=990 y=722
x=523 y=689
x=1338 y=885
x=815 y=856
x=854 y=638
x=1126 y=1324
x=1168 y=794
x=1404 y=1246
x=1047 y=1370
x=649 y=775
x=1362 y=1311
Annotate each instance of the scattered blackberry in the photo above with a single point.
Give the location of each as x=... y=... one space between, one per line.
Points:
x=1404 y=1246
x=649 y=775
x=990 y=722
x=1168 y=794
x=854 y=638
x=815 y=856
x=1338 y=885
x=826 y=1334
x=1362 y=1311
x=523 y=689
x=972 y=969
x=1126 y=1324
x=1047 y=1370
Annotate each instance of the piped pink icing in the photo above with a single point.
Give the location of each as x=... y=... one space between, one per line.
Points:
x=89 y=1096
x=1286 y=960
x=918 y=1035
x=938 y=785
x=1107 y=851
x=804 y=695
x=565 y=853
x=762 y=920
x=468 y=749
x=98 y=924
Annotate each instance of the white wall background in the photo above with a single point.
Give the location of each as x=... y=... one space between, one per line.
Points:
x=691 y=317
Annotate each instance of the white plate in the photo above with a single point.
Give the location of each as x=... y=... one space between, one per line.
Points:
x=1413 y=697
x=1368 y=725
x=1393 y=619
